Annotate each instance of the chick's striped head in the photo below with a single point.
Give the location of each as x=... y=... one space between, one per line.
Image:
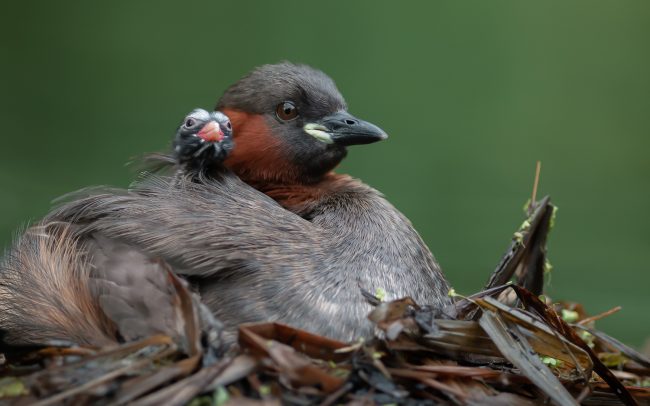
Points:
x=203 y=140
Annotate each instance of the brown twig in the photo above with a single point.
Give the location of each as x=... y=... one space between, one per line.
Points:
x=538 y=169
x=599 y=316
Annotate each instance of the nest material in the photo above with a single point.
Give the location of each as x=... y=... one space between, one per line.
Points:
x=503 y=345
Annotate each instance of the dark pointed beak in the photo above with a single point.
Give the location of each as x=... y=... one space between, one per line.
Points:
x=342 y=128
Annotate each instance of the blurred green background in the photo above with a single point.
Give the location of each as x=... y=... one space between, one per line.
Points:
x=472 y=94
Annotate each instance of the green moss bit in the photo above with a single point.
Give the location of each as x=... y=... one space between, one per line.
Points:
x=588 y=338
x=612 y=359
x=265 y=390
x=551 y=223
x=220 y=396
x=570 y=316
x=548 y=267
x=452 y=293
x=340 y=373
x=551 y=362
x=380 y=294
x=11 y=387
x=548 y=272
x=518 y=237
x=201 y=401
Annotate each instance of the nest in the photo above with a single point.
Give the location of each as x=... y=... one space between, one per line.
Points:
x=507 y=344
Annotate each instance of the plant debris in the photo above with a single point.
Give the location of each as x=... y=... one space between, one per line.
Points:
x=504 y=345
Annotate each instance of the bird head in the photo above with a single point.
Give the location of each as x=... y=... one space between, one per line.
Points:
x=203 y=139
x=291 y=125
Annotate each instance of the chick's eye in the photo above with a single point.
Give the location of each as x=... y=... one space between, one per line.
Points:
x=190 y=122
x=286 y=111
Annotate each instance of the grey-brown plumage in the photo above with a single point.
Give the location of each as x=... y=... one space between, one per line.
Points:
x=141 y=295
x=85 y=289
x=45 y=293
x=301 y=251
x=253 y=260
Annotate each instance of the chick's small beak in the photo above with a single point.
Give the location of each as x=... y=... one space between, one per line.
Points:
x=342 y=128
x=211 y=132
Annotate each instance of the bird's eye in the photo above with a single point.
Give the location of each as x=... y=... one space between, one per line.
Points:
x=190 y=122
x=286 y=111
x=228 y=125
